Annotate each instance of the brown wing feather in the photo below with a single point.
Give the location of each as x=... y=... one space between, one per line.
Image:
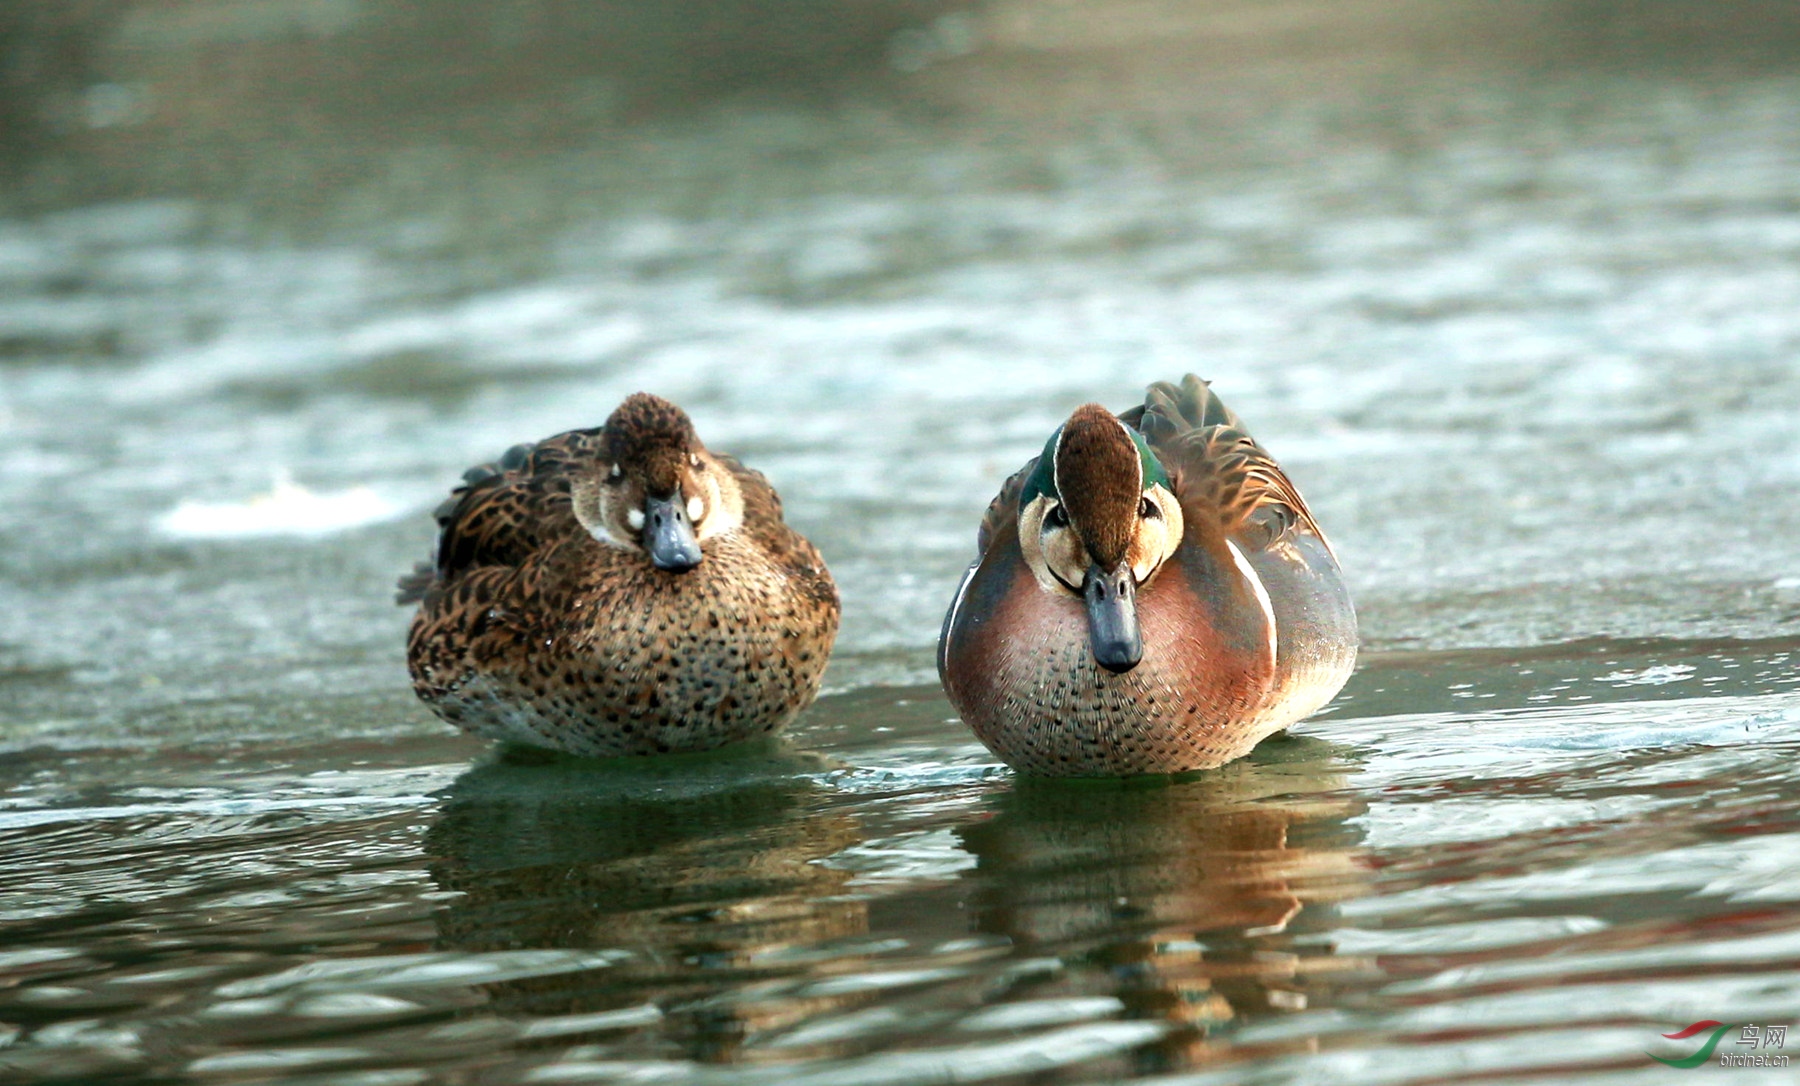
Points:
x=1170 y=410
x=1227 y=472
x=1004 y=509
x=1217 y=466
x=504 y=511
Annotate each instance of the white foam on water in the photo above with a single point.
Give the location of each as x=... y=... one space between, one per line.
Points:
x=286 y=508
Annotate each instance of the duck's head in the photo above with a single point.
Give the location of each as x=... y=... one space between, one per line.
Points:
x=655 y=488
x=1097 y=519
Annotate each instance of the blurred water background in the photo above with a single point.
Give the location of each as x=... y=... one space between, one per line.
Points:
x=1511 y=288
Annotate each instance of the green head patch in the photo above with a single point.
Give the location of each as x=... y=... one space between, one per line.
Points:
x=1098 y=468
x=1042 y=481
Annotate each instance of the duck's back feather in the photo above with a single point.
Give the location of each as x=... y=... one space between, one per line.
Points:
x=1218 y=467
x=505 y=510
x=1003 y=511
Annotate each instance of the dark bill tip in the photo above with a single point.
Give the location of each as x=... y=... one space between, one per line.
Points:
x=1112 y=618
x=668 y=536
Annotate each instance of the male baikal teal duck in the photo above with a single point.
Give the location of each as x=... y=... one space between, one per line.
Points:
x=621 y=590
x=1151 y=595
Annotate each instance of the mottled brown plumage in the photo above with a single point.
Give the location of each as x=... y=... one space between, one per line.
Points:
x=545 y=621
x=653 y=432
x=1234 y=596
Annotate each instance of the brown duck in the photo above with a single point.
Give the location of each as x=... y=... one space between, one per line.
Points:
x=1151 y=595
x=621 y=590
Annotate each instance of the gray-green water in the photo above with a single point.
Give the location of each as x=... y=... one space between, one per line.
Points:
x=1512 y=290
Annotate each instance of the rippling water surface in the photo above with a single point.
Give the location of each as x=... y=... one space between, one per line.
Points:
x=1516 y=300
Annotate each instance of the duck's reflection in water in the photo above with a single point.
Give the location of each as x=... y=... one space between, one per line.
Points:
x=700 y=872
x=1188 y=902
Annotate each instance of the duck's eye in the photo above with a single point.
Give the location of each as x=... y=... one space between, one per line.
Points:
x=694 y=459
x=1149 y=510
x=614 y=474
x=1056 y=517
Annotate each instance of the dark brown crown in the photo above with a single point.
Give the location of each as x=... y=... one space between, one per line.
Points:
x=652 y=435
x=1100 y=480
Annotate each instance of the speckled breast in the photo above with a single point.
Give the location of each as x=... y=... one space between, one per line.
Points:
x=598 y=653
x=1039 y=700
